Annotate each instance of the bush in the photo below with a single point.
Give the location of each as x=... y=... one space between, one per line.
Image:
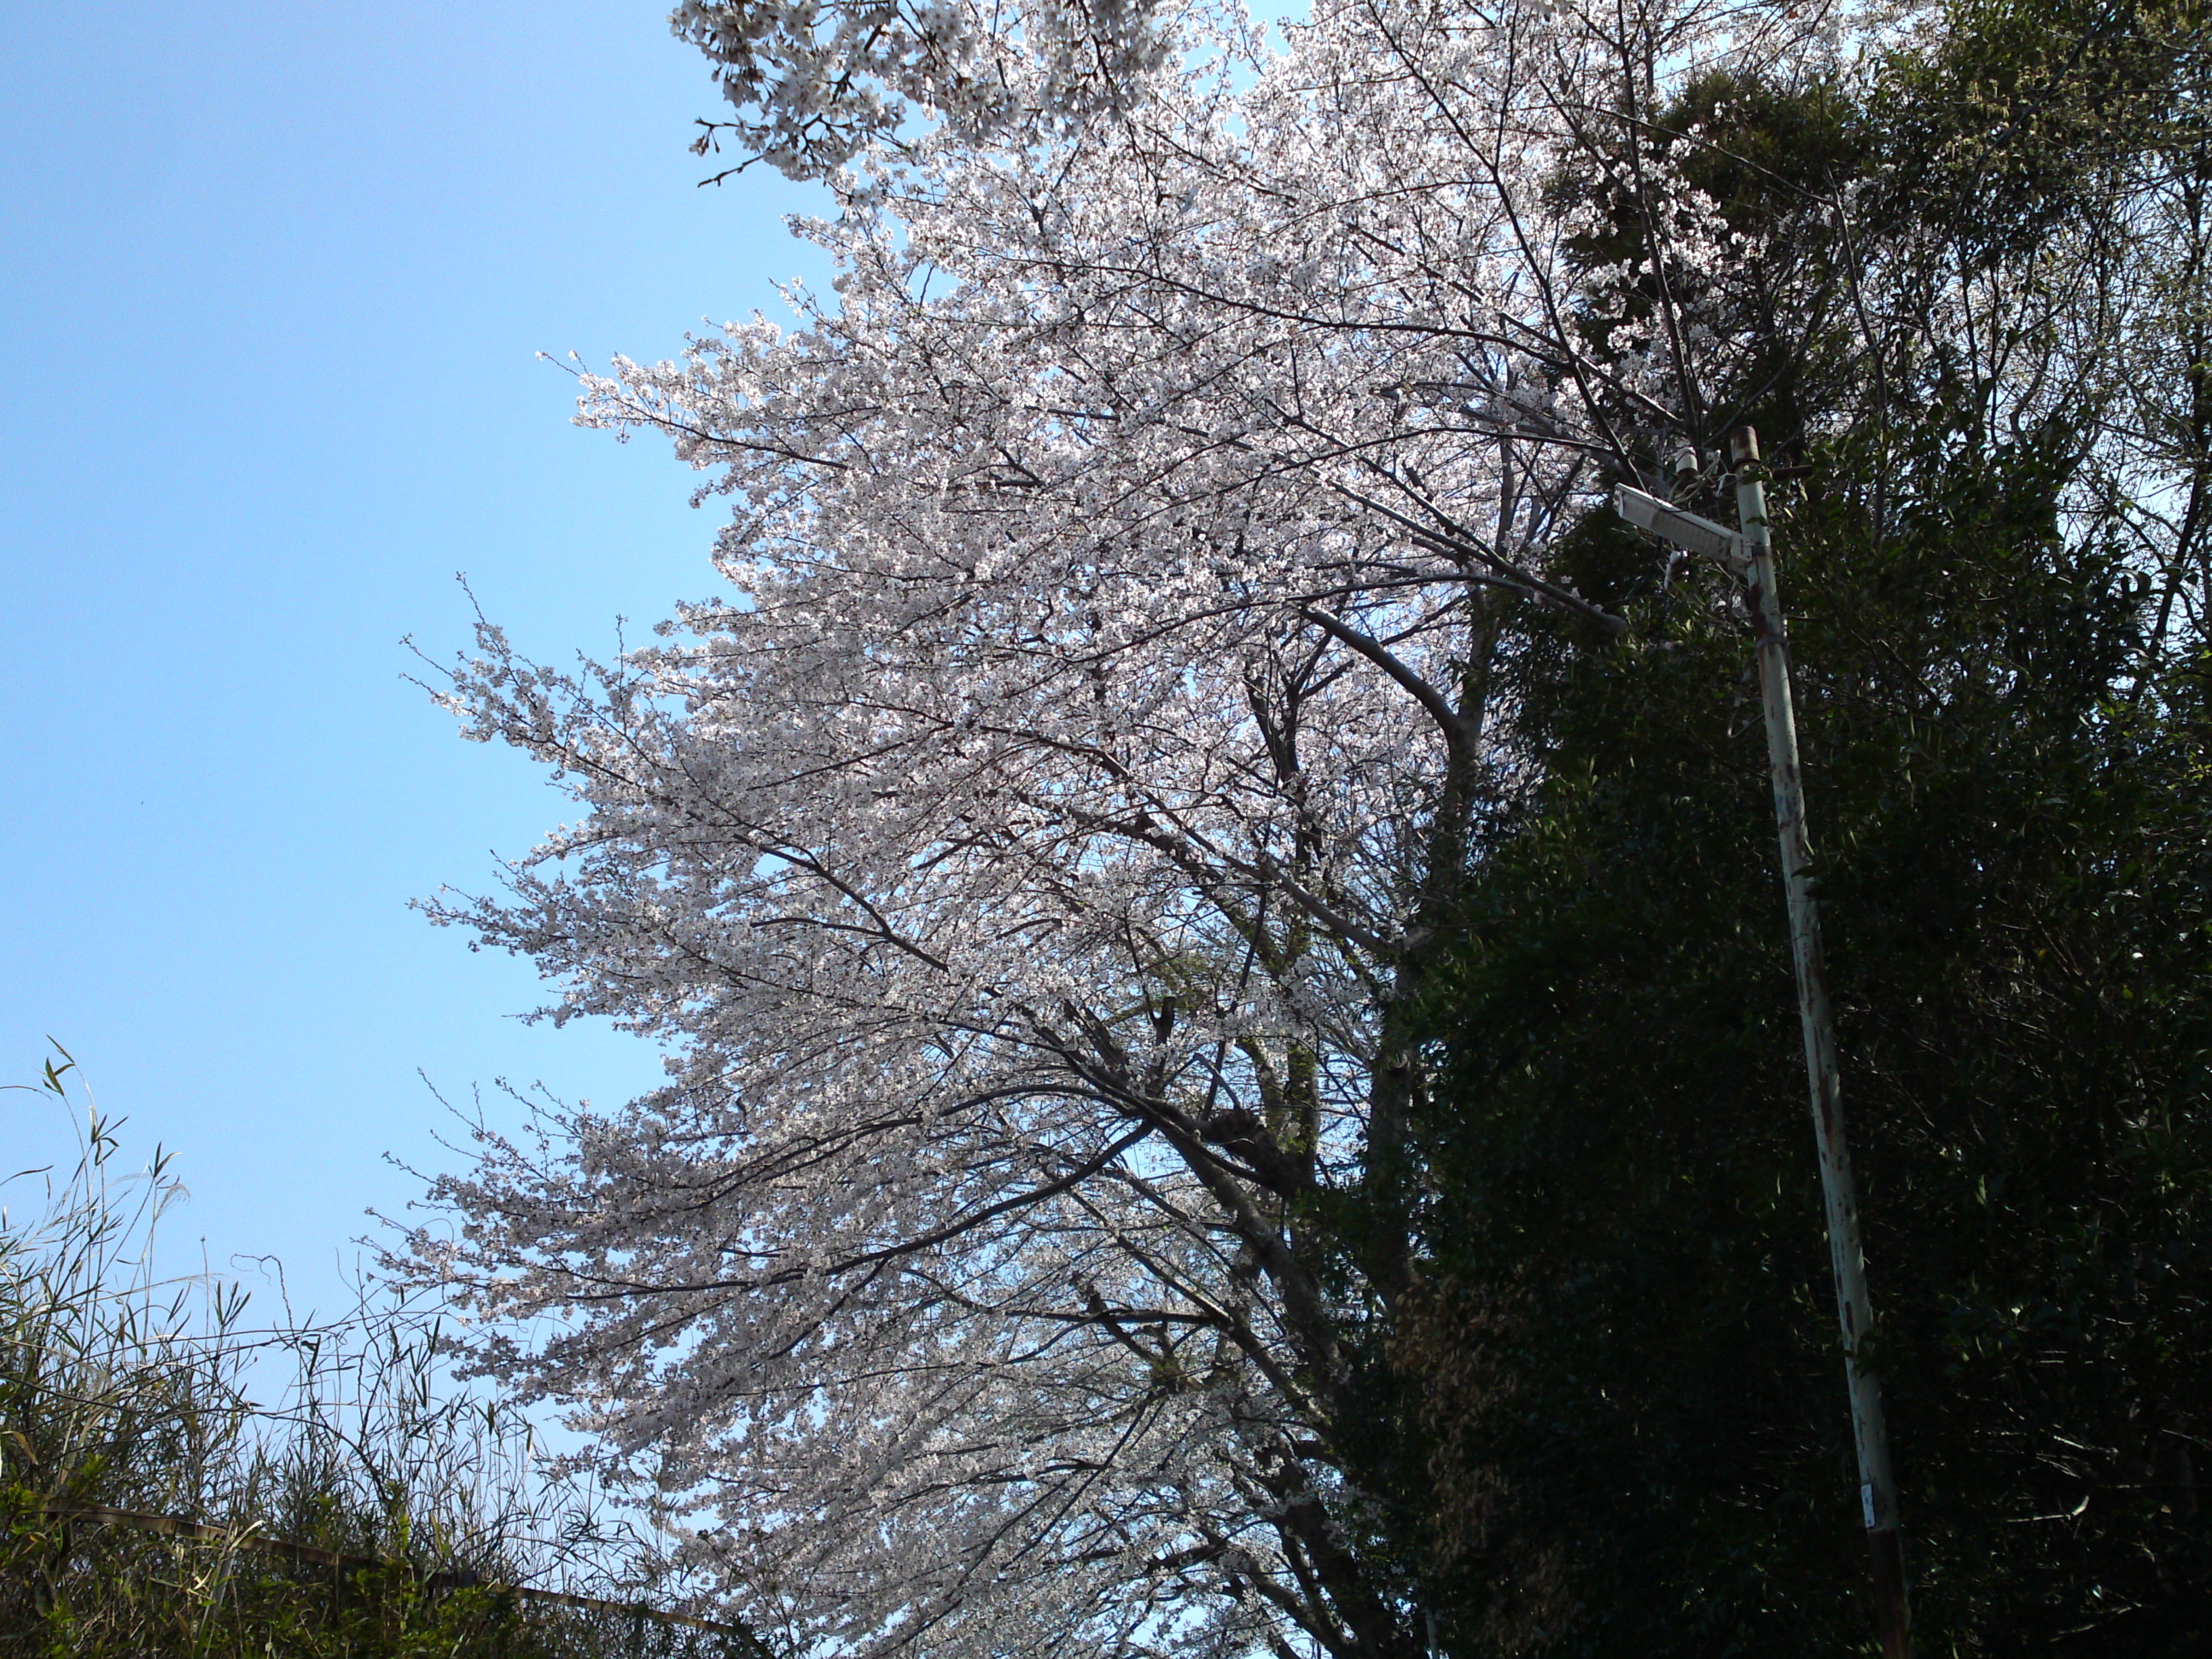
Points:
x=149 y=1506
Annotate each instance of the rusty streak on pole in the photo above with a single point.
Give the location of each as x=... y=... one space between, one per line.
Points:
x=1877 y=1486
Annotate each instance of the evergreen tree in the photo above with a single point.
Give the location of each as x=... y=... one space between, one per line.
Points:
x=1612 y=1419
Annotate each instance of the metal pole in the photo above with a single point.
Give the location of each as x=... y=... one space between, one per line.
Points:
x=1877 y=1486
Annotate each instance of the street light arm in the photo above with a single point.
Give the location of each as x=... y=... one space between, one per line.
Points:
x=1685 y=530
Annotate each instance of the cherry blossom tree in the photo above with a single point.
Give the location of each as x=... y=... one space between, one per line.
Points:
x=814 y=83
x=1029 y=858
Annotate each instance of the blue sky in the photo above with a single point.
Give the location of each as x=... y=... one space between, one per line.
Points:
x=273 y=283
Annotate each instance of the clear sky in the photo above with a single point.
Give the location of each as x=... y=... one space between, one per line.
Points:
x=273 y=278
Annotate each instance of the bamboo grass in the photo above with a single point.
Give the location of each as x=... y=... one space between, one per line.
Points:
x=151 y=1506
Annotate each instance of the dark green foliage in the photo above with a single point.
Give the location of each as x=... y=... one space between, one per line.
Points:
x=1624 y=1367
x=2021 y=118
x=1609 y=1416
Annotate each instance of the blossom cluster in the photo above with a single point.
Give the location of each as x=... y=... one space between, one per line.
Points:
x=1026 y=855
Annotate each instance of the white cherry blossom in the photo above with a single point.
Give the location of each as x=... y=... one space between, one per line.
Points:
x=1028 y=853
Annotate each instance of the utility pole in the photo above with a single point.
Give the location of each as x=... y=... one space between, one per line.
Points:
x=1748 y=555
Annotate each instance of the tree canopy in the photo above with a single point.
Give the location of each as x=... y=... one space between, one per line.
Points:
x=1234 y=1088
